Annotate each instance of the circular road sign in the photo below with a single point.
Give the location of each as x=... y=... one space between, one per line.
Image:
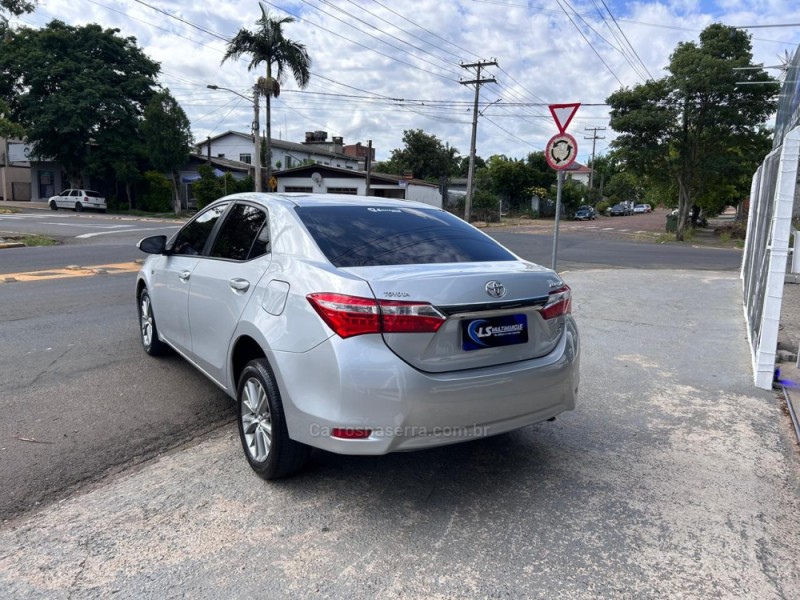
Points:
x=561 y=151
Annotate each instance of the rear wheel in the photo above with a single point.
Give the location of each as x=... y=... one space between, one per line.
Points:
x=147 y=325
x=53 y=205
x=78 y=207
x=262 y=425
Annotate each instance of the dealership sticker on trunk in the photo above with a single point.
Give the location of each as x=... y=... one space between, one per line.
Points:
x=494 y=332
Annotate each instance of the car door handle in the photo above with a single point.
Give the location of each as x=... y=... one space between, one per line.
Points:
x=239 y=285
x=184 y=275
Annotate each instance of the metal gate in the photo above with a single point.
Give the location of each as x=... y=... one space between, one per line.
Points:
x=772 y=195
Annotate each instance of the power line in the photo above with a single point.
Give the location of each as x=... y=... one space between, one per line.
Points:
x=613 y=18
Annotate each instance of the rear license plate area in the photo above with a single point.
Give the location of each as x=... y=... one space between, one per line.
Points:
x=494 y=332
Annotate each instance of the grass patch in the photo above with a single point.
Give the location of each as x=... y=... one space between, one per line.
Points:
x=36 y=240
x=7 y=210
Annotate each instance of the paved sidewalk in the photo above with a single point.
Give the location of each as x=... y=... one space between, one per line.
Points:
x=675 y=478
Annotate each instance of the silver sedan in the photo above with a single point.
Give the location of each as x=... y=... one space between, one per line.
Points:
x=358 y=325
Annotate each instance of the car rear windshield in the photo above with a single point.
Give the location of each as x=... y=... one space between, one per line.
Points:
x=92 y=194
x=356 y=236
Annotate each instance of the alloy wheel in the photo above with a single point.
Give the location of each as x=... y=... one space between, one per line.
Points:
x=256 y=420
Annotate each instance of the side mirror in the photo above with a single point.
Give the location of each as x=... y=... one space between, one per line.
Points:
x=155 y=244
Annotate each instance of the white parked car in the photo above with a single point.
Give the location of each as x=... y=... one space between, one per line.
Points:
x=78 y=200
x=358 y=325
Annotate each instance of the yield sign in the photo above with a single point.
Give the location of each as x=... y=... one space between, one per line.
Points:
x=562 y=114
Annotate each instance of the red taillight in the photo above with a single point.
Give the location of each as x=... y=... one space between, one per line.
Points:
x=347 y=315
x=348 y=433
x=559 y=303
x=351 y=315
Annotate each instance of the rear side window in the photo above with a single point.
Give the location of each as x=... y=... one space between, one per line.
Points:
x=243 y=235
x=355 y=236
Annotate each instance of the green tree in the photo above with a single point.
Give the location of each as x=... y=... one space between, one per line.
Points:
x=543 y=175
x=696 y=129
x=512 y=179
x=268 y=45
x=71 y=87
x=15 y=7
x=8 y=128
x=424 y=155
x=167 y=138
x=210 y=187
x=463 y=165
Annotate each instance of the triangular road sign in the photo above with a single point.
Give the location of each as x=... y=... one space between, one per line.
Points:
x=562 y=114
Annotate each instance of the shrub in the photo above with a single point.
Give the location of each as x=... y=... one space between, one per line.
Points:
x=602 y=207
x=158 y=193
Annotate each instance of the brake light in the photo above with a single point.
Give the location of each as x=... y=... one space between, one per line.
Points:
x=559 y=303
x=350 y=315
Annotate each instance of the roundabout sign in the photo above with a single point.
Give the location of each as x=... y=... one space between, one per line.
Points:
x=561 y=151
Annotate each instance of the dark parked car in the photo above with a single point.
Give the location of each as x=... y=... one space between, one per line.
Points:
x=619 y=210
x=585 y=213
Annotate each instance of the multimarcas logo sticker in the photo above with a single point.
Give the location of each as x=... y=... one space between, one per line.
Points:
x=494 y=332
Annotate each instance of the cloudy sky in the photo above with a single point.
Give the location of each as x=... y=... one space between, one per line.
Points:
x=384 y=66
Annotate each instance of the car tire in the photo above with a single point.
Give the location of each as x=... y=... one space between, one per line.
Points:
x=53 y=205
x=262 y=424
x=78 y=207
x=147 y=327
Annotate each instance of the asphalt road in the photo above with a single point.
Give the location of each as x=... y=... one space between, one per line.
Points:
x=673 y=478
x=78 y=395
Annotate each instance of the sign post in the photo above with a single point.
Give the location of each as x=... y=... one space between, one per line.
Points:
x=560 y=153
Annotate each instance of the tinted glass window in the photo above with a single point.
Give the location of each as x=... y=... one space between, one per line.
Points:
x=93 y=194
x=352 y=236
x=240 y=234
x=192 y=238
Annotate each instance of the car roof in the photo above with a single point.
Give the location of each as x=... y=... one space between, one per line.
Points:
x=290 y=199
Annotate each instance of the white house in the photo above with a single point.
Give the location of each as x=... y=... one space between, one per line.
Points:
x=578 y=172
x=233 y=145
x=323 y=179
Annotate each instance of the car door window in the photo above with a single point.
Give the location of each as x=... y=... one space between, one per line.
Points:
x=75 y=193
x=192 y=238
x=243 y=235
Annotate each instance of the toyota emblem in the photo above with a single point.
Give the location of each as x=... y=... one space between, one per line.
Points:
x=495 y=289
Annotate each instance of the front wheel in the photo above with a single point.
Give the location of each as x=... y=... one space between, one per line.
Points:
x=147 y=327
x=53 y=205
x=262 y=425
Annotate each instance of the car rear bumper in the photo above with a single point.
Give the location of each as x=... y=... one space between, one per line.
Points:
x=359 y=383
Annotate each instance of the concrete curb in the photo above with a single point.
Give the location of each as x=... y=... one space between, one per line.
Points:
x=4 y=245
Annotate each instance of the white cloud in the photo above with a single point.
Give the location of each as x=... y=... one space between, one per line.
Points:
x=541 y=56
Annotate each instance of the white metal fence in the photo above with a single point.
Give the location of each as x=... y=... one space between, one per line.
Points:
x=772 y=195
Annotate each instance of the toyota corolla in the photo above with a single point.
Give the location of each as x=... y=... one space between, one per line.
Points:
x=358 y=325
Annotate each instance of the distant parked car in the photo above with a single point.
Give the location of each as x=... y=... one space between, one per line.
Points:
x=619 y=210
x=585 y=213
x=641 y=208
x=78 y=200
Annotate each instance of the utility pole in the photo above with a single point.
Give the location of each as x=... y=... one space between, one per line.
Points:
x=594 y=137
x=368 y=165
x=257 y=139
x=477 y=82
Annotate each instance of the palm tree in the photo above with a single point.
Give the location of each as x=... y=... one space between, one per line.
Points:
x=268 y=45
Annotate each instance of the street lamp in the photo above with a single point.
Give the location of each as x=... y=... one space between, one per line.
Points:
x=255 y=129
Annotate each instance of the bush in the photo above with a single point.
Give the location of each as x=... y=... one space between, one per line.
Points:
x=158 y=193
x=602 y=207
x=210 y=187
x=485 y=205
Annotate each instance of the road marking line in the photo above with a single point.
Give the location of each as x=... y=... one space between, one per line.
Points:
x=87 y=226
x=90 y=235
x=608 y=229
x=48 y=274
